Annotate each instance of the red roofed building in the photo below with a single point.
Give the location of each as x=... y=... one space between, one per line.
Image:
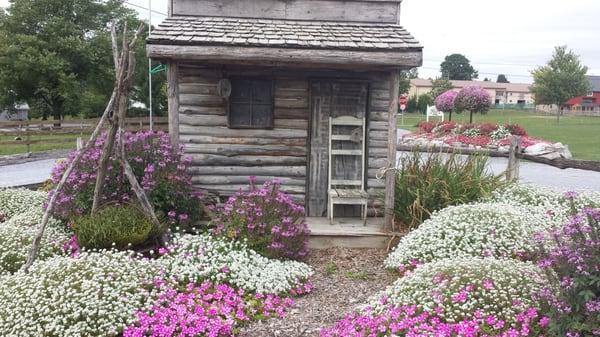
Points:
x=589 y=104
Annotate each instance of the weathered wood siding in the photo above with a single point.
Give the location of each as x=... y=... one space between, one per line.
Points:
x=223 y=158
x=382 y=11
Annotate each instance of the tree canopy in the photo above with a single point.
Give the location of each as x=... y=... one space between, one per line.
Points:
x=439 y=86
x=405 y=77
x=502 y=79
x=56 y=55
x=458 y=67
x=563 y=78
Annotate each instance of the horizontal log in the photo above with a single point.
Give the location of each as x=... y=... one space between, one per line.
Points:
x=202 y=120
x=215 y=160
x=201 y=100
x=380 y=94
x=379 y=126
x=201 y=110
x=234 y=150
x=378 y=135
x=189 y=74
x=280 y=171
x=377 y=144
x=294 y=102
x=198 y=88
x=292 y=84
x=227 y=132
x=291 y=113
x=241 y=180
x=378 y=116
x=242 y=140
x=244 y=187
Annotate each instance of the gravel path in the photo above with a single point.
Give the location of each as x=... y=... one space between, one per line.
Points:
x=343 y=280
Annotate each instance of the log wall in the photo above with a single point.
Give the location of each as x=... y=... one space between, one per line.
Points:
x=223 y=158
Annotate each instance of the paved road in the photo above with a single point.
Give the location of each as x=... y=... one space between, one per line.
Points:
x=26 y=174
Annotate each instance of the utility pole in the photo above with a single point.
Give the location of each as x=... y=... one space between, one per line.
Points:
x=150 y=67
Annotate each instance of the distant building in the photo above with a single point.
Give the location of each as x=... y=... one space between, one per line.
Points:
x=586 y=105
x=21 y=113
x=509 y=94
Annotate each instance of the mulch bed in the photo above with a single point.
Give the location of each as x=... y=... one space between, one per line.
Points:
x=344 y=279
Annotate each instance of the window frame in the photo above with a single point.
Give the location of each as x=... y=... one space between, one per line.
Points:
x=272 y=103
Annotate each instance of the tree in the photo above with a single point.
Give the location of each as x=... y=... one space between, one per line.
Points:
x=502 y=79
x=560 y=80
x=55 y=55
x=423 y=102
x=445 y=102
x=439 y=86
x=405 y=77
x=472 y=99
x=486 y=79
x=458 y=67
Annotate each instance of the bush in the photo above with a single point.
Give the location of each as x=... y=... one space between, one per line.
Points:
x=14 y=201
x=462 y=288
x=424 y=101
x=158 y=166
x=16 y=237
x=482 y=229
x=96 y=294
x=573 y=262
x=205 y=310
x=197 y=258
x=424 y=185
x=120 y=226
x=271 y=222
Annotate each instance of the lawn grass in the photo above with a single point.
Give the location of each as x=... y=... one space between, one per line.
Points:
x=582 y=134
x=70 y=143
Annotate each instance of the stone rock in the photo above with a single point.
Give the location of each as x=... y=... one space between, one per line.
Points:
x=549 y=151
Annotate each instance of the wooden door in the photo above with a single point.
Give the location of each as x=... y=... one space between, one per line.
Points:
x=332 y=98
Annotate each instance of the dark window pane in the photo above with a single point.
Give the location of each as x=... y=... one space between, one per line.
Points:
x=262 y=115
x=241 y=91
x=262 y=92
x=240 y=115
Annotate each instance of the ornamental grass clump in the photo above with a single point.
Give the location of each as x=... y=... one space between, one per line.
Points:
x=159 y=166
x=267 y=218
x=471 y=230
x=461 y=288
x=428 y=184
x=96 y=294
x=572 y=261
x=208 y=309
x=118 y=226
x=15 y=201
x=197 y=258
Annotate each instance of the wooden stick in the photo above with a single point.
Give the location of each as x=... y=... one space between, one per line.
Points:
x=512 y=171
x=390 y=177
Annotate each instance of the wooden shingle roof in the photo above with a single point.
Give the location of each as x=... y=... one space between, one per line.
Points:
x=241 y=32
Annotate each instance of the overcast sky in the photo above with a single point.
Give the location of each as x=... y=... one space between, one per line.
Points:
x=502 y=36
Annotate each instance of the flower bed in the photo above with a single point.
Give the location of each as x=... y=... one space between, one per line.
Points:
x=487 y=135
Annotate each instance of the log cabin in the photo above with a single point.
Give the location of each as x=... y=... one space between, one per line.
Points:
x=252 y=86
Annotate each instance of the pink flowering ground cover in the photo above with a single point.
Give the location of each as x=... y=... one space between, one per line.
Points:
x=409 y=321
x=216 y=310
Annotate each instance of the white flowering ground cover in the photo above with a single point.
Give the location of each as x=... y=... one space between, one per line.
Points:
x=194 y=258
x=457 y=288
x=471 y=230
x=15 y=201
x=95 y=294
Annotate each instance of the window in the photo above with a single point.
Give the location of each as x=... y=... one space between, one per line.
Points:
x=251 y=104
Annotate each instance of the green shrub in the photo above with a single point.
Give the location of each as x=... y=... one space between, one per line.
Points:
x=119 y=225
x=425 y=184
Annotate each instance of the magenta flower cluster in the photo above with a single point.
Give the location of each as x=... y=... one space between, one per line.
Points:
x=214 y=310
x=574 y=261
x=409 y=321
x=268 y=218
x=472 y=99
x=445 y=101
x=159 y=167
